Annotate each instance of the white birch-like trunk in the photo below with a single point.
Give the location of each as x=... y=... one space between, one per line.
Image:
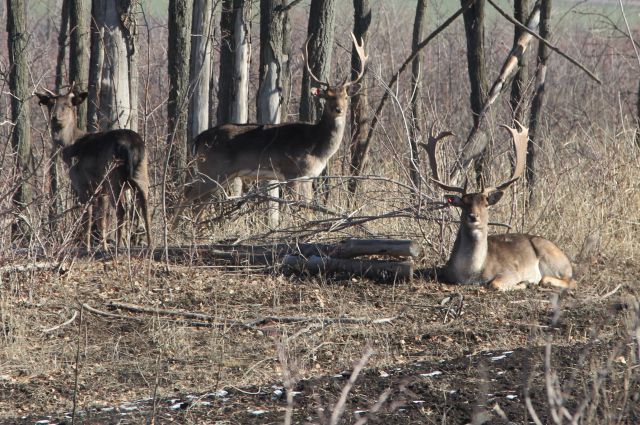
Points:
x=115 y=95
x=242 y=60
x=200 y=67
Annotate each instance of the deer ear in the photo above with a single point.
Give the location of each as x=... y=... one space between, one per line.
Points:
x=453 y=200
x=494 y=197
x=78 y=98
x=44 y=99
x=315 y=91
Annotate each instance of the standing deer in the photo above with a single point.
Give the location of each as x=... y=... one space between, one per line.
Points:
x=504 y=262
x=101 y=165
x=273 y=151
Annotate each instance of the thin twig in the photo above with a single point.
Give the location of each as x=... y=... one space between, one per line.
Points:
x=546 y=42
x=68 y=322
x=338 y=410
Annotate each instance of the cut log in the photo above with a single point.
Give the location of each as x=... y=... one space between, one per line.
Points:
x=350 y=248
x=378 y=270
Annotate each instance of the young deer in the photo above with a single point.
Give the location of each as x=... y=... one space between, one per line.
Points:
x=504 y=262
x=273 y=151
x=100 y=164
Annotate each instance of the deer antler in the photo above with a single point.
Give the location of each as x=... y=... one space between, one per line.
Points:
x=363 y=60
x=520 y=137
x=430 y=147
x=305 y=55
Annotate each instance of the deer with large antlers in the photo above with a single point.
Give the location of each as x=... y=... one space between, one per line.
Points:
x=101 y=165
x=288 y=151
x=504 y=262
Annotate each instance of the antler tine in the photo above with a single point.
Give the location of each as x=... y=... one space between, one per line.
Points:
x=363 y=60
x=72 y=87
x=520 y=137
x=305 y=55
x=430 y=147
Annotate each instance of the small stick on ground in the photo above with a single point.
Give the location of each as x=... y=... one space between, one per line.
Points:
x=61 y=325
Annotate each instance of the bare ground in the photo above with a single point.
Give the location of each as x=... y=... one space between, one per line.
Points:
x=485 y=346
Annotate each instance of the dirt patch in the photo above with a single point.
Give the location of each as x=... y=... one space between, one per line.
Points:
x=446 y=353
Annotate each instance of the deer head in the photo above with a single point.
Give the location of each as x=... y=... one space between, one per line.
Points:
x=336 y=96
x=62 y=113
x=474 y=206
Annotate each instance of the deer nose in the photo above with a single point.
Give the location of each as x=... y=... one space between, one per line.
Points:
x=473 y=218
x=339 y=109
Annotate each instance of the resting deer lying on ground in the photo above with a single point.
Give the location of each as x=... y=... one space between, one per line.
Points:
x=504 y=262
x=273 y=151
x=101 y=165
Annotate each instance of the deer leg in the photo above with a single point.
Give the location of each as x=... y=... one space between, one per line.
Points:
x=87 y=223
x=504 y=283
x=103 y=210
x=559 y=283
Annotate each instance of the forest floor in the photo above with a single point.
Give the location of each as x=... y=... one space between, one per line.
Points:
x=439 y=353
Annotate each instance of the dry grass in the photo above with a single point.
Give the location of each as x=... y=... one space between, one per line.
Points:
x=588 y=192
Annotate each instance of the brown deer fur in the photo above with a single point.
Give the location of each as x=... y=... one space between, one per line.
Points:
x=101 y=165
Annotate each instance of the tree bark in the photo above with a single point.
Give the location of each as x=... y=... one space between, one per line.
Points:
x=275 y=46
x=519 y=83
x=62 y=44
x=537 y=103
x=200 y=66
x=474 y=30
x=78 y=51
x=180 y=13
x=242 y=61
x=17 y=44
x=320 y=30
x=225 y=78
x=415 y=129
x=112 y=73
x=275 y=52
x=359 y=102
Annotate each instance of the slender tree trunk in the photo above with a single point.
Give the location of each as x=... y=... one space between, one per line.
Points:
x=200 y=67
x=519 y=83
x=18 y=38
x=62 y=44
x=242 y=61
x=320 y=30
x=79 y=51
x=225 y=79
x=275 y=46
x=638 y=118
x=359 y=102
x=415 y=129
x=474 y=30
x=180 y=14
x=95 y=66
x=537 y=103
x=274 y=73
x=112 y=73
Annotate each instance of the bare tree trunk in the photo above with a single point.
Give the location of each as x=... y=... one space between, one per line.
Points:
x=62 y=44
x=200 y=66
x=359 y=102
x=242 y=61
x=113 y=43
x=274 y=73
x=78 y=51
x=519 y=83
x=320 y=32
x=225 y=75
x=537 y=103
x=474 y=30
x=275 y=49
x=180 y=14
x=19 y=87
x=638 y=118
x=415 y=129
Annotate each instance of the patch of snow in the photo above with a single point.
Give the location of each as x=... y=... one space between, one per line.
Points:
x=221 y=393
x=258 y=412
x=417 y=401
x=128 y=407
x=431 y=374
x=177 y=405
x=511 y=397
x=496 y=358
x=43 y=422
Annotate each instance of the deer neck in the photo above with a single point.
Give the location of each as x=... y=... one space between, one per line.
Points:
x=66 y=136
x=329 y=131
x=469 y=254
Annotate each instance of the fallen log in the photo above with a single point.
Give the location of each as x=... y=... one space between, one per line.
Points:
x=379 y=270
